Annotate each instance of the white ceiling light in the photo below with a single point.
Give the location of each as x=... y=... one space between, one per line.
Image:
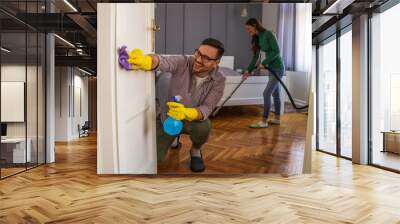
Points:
x=84 y=71
x=80 y=51
x=70 y=5
x=65 y=41
x=337 y=7
x=5 y=50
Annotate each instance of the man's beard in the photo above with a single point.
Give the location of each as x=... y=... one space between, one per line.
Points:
x=202 y=72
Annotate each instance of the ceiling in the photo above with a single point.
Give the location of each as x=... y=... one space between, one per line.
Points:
x=75 y=22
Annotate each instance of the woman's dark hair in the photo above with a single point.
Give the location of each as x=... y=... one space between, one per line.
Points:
x=254 y=23
x=216 y=44
x=254 y=41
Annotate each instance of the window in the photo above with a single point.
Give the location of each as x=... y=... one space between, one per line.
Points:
x=327 y=97
x=346 y=93
x=334 y=106
x=385 y=87
x=22 y=77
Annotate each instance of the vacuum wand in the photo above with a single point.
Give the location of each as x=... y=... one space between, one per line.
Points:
x=228 y=98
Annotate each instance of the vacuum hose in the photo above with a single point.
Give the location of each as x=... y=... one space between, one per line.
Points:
x=287 y=91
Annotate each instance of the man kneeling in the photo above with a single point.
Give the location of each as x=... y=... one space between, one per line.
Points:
x=197 y=80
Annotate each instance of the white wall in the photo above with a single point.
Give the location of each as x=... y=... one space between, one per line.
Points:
x=71 y=87
x=62 y=81
x=270 y=16
x=298 y=85
x=79 y=117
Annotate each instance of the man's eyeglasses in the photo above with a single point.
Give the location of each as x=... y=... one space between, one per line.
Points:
x=204 y=58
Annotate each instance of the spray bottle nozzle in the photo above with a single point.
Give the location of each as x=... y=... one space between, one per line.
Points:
x=177 y=98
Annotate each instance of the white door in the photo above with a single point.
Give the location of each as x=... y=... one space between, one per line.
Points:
x=126 y=99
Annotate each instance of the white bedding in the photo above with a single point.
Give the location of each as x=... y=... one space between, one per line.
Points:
x=249 y=93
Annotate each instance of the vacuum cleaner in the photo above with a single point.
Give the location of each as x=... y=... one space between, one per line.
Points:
x=279 y=80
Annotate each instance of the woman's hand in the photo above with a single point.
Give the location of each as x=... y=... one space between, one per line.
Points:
x=246 y=74
x=261 y=66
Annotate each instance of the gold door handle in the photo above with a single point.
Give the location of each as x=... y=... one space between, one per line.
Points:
x=154 y=28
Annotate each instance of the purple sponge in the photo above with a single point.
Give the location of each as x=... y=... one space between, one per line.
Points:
x=123 y=58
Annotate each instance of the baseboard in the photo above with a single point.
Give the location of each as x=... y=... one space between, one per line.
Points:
x=257 y=101
x=244 y=101
x=299 y=102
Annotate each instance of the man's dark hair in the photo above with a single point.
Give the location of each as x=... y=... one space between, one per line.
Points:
x=216 y=44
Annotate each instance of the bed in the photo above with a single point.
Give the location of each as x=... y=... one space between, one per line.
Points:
x=251 y=90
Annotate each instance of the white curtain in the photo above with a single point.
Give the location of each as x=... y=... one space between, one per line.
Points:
x=294 y=35
x=286 y=33
x=303 y=38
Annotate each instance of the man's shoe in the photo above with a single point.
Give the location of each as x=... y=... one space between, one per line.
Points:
x=197 y=163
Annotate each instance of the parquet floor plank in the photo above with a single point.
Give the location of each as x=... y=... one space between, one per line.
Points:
x=70 y=191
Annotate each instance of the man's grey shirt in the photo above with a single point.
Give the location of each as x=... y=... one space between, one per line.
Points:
x=205 y=97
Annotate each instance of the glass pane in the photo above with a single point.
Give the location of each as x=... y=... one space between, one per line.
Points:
x=385 y=86
x=32 y=87
x=22 y=63
x=13 y=86
x=346 y=94
x=327 y=97
x=31 y=100
x=41 y=99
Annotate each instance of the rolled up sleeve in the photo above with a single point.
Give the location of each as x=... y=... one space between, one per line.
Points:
x=212 y=99
x=171 y=64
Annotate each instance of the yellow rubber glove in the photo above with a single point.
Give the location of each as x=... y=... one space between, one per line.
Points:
x=179 y=112
x=139 y=61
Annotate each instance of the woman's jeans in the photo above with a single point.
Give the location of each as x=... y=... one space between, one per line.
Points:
x=273 y=89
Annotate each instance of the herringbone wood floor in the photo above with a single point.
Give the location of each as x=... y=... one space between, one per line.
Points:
x=233 y=148
x=69 y=191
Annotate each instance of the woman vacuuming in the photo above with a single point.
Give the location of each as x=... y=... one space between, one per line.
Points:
x=266 y=50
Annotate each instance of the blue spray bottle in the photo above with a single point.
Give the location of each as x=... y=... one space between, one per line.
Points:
x=171 y=126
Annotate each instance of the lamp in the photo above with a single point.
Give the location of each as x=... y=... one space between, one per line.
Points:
x=65 y=41
x=337 y=7
x=243 y=12
x=84 y=71
x=5 y=50
x=70 y=5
